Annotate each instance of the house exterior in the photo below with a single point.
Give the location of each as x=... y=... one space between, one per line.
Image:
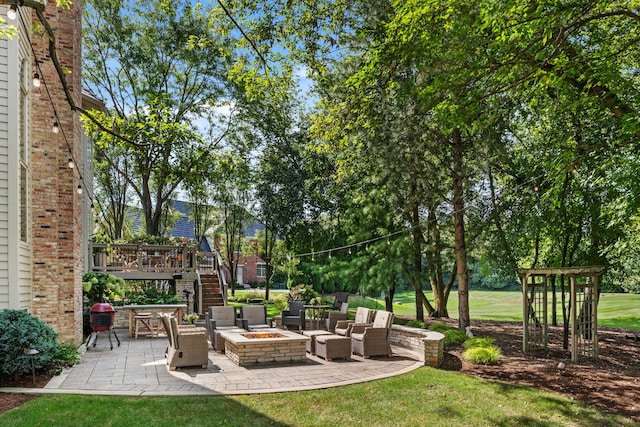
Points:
x=42 y=213
x=250 y=268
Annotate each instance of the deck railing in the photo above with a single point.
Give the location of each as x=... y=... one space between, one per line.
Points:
x=150 y=258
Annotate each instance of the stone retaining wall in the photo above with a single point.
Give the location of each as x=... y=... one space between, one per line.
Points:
x=428 y=344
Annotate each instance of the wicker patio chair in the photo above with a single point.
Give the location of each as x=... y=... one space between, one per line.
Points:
x=221 y=319
x=188 y=347
x=341 y=297
x=294 y=316
x=373 y=340
x=364 y=316
x=334 y=316
x=253 y=317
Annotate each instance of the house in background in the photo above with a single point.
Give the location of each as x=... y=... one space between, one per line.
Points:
x=44 y=202
x=250 y=268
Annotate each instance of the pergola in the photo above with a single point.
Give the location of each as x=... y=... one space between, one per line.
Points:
x=583 y=307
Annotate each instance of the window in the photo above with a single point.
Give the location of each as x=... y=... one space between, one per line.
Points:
x=261 y=270
x=23 y=132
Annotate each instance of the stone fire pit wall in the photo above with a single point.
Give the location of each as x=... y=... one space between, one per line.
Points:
x=429 y=345
x=243 y=351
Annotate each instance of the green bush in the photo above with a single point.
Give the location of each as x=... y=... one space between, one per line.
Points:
x=67 y=355
x=452 y=336
x=20 y=332
x=152 y=295
x=483 y=355
x=302 y=292
x=279 y=301
x=416 y=324
x=253 y=295
x=100 y=287
x=478 y=342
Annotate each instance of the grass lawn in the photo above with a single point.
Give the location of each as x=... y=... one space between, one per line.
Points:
x=614 y=310
x=423 y=397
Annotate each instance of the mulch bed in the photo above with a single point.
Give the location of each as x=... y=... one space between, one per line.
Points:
x=612 y=383
x=12 y=400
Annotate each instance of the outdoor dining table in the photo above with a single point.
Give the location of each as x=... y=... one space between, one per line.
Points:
x=174 y=309
x=315 y=313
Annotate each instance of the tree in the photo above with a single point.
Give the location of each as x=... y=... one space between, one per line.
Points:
x=231 y=194
x=112 y=191
x=159 y=67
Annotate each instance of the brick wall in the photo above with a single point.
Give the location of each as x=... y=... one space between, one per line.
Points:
x=56 y=207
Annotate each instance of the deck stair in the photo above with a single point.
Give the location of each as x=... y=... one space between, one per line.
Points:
x=211 y=291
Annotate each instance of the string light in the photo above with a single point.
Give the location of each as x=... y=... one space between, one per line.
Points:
x=37 y=82
x=12 y=13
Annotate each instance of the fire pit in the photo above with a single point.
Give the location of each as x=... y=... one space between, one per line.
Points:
x=254 y=348
x=263 y=335
x=101 y=317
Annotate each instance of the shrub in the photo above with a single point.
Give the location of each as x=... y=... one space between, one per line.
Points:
x=152 y=295
x=253 y=295
x=279 y=301
x=21 y=331
x=452 y=336
x=416 y=324
x=478 y=342
x=483 y=355
x=99 y=286
x=67 y=355
x=302 y=292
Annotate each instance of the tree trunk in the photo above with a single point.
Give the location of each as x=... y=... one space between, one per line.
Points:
x=460 y=244
x=417 y=259
x=388 y=297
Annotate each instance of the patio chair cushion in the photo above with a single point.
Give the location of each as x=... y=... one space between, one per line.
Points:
x=363 y=317
x=223 y=316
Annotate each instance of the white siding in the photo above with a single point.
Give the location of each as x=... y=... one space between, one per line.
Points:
x=4 y=172
x=15 y=256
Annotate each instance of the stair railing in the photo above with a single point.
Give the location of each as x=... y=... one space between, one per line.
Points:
x=223 y=278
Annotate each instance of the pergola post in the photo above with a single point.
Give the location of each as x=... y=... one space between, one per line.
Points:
x=583 y=307
x=573 y=316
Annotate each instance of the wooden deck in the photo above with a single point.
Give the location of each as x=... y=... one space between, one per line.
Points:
x=150 y=262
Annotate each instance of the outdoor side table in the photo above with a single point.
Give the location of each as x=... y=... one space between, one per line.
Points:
x=315 y=314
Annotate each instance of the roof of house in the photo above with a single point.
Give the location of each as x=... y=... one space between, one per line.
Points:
x=184 y=226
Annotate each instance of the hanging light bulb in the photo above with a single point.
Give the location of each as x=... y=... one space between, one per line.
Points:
x=12 y=13
x=79 y=190
x=71 y=164
x=56 y=127
x=36 y=80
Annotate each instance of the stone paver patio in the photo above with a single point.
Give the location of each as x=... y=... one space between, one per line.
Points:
x=138 y=368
